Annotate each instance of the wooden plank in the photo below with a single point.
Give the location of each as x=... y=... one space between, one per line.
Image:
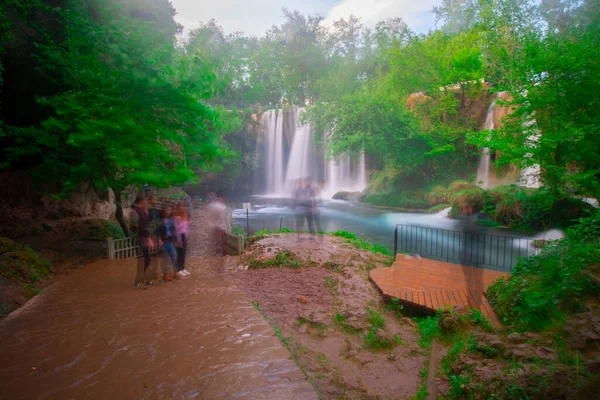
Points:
x=421 y=298
x=434 y=300
x=463 y=297
x=429 y=300
x=453 y=301
x=446 y=298
x=472 y=301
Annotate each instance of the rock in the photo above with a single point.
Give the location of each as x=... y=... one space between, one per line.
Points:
x=547 y=353
x=356 y=320
x=593 y=366
x=450 y=321
x=341 y=196
x=516 y=337
x=348 y=196
x=408 y=322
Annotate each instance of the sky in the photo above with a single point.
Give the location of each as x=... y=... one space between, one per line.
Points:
x=254 y=17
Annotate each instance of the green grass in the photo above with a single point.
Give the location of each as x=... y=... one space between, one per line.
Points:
x=372 y=340
x=340 y=320
x=375 y=319
x=332 y=285
x=405 y=199
x=395 y=306
x=362 y=244
x=283 y=259
x=428 y=330
x=23 y=266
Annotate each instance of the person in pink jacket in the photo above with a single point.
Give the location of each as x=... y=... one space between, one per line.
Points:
x=181 y=232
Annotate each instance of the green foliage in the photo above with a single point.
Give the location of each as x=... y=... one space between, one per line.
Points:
x=404 y=199
x=428 y=329
x=283 y=259
x=362 y=244
x=238 y=231
x=375 y=318
x=332 y=284
x=345 y=235
x=545 y=286
x=395 y=306
x=23 y=266
x=118 y=103
x=340 y=320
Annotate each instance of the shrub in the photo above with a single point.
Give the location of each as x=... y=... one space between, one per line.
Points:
x=546 y=285
x=459 y=186
x=438 y=195
x=404 y=199
x=22 y=265
x=468 y=201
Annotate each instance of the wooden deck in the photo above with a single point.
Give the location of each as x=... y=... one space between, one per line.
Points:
x=434 y=284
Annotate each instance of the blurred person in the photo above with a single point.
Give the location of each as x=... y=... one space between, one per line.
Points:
x=297 y=196
x=212 y=197
x=181 y=235
x=218 y=222
x=309 y=207
x=144 y=219
x=189 y=207
x=167 y=233
x=316 y=212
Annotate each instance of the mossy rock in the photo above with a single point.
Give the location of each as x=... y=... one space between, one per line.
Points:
x=22 y=264
x=98 y=230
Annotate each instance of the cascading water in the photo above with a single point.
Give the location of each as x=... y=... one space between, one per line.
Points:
x=303 y=160
x=483 y=170
x=343 y=175
x=300 y=162
x=272 y=124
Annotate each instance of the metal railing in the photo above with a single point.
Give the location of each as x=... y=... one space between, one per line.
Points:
x=126 y=248
x=465 y=248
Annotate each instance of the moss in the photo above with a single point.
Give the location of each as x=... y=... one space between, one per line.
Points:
x=21 y=265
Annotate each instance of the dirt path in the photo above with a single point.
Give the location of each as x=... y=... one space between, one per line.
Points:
x=93 y=336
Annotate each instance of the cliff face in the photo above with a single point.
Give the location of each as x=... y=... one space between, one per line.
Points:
x=22 y=202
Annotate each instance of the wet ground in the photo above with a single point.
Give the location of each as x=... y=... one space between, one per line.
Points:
x=322 y=308
x=91 y=335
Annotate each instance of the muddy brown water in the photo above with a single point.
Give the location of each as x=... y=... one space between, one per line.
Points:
x=93 y=336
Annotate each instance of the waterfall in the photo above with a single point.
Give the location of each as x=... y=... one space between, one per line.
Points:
x=362 y=171
x=272 y=123
x=483 y=170
x=300 y=161
x=282 y=166
x=343 y=175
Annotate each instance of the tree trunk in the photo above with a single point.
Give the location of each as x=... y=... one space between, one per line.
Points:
x=119 y=213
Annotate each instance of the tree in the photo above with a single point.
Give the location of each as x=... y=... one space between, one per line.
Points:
x=132 y=110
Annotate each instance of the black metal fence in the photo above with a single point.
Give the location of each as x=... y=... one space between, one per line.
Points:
x=459 y=247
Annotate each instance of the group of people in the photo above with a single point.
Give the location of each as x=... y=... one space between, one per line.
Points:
x=306 y=198
x=170 y=230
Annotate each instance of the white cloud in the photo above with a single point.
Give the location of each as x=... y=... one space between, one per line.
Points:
x=253 y=17
x=417 y=14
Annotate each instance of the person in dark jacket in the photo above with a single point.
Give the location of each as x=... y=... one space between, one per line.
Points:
x=166 y=233
x=144 y=239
